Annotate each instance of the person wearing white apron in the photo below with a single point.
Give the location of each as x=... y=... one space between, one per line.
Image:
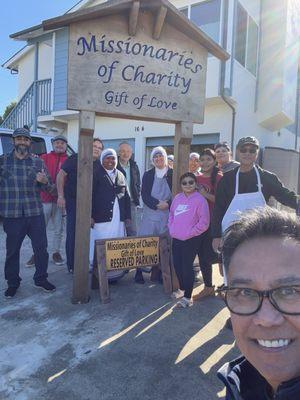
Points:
x=242 y=202
x=245 y=188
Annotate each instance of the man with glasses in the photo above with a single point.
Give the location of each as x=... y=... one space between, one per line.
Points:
x=261 y=255
x=245 y=188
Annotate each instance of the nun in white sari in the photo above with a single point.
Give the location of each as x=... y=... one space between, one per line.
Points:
x=111 y=202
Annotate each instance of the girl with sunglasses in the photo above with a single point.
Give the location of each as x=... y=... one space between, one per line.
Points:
x=188 y=219
x=207 y=182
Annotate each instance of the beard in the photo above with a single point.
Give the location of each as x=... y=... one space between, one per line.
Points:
x=22 y=149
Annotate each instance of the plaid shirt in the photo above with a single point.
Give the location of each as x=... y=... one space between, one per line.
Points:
x=19 y=190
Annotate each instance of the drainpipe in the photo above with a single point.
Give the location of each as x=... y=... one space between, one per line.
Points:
x=223 y=95
x=35 y=87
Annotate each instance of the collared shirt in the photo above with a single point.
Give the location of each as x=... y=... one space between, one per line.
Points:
x=127 y=172
x=19 y=189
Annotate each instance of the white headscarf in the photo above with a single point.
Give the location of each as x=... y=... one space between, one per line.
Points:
x=109 y=153
x=160 y=173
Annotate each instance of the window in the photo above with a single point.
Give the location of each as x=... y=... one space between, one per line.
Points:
x=38 y=146
x=246 y=40
x=241 y=35
x=251 y=58
x=206 y=16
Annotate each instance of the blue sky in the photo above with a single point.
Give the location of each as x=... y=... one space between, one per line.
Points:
x=15 y=16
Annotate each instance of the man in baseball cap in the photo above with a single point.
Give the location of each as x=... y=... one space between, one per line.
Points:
x=22 y=178
x=244 y=188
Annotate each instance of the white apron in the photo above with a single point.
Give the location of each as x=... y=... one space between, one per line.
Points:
x=242 y=202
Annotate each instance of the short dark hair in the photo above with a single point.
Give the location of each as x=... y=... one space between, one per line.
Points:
x=98 y=140
x=259 y=222
x=188 y=175
x=222 y=144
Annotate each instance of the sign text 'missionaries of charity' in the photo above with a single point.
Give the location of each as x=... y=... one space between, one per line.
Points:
x=135 y=76
x=132 y=253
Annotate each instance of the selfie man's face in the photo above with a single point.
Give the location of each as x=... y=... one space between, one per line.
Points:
x=22 y=144
x=269 y=339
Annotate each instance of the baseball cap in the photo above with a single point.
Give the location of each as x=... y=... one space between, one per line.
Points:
x=60 y=137
x=21 y=132
x=195 y=155
x=248 y=140
x=171 y=157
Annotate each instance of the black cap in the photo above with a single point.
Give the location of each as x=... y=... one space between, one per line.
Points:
x=248 y=140
x=60 y=137
x=21 y=132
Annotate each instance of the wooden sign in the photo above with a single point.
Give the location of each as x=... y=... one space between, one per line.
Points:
x=131 y=253
x=113 y=73
x=127 y=253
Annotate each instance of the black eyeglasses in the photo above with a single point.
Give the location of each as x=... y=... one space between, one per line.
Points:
x=246 y=301
x=191 y=182
x=251 y=150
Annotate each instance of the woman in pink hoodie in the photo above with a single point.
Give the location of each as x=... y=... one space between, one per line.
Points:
x=189 y=218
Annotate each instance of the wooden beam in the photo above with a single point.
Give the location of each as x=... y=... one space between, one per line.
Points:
x=182 y=148
x=83 y=207
x=159 y=23
x=133 y=18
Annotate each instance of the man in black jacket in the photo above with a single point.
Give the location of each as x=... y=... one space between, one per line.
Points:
x=253 y=188
x=261 y=255
x=131 y=172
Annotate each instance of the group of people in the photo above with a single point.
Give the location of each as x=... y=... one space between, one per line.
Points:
x=221 y=209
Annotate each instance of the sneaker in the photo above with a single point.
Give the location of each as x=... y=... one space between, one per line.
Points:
x=206 y=292
x=30 y=262
x=184 y=303
x=46 y=286
x=178 y=294
x=57 y=259
x=10 y=292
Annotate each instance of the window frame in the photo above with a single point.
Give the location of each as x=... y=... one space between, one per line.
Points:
x=246 y=52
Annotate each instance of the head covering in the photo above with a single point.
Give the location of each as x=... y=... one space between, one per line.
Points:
x=108 y=153
x=195 y=155
x=159 y=150
x=222 y=144
x=21 y=132
x=248 y=140
x=170 y=157
x=60 y=137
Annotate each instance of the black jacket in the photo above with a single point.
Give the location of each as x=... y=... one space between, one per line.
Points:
x=243 y=382
x=147 y=185
x=135 y=181
x=104 y=195
x=271 y=186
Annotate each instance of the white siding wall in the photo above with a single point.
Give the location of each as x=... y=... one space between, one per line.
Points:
x=45 y=61
x=26 y=73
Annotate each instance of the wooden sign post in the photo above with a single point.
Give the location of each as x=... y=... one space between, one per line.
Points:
x=133 y=59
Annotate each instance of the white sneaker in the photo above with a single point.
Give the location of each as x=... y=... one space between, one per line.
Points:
x=178 y=294
x=185 y=303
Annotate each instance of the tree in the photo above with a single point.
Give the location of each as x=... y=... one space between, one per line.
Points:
x=8 y=109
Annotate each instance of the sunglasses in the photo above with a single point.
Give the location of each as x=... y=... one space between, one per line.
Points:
x=185 y=183
x=244 y=150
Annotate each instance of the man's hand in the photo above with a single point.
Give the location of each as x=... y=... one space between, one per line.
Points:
x=216 y=244
x=61 y=203
x=127 y=223
x=41 y=177
x=163 y=205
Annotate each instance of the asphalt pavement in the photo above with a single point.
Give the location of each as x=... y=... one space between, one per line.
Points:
x=139 y=346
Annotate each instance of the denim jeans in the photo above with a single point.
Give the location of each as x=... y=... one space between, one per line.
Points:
x=16 y=229
x=70 y=231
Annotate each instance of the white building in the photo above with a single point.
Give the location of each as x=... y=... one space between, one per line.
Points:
x=256 y=92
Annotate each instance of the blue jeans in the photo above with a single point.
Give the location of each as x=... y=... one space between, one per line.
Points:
x=70 y=232
x=16 y=229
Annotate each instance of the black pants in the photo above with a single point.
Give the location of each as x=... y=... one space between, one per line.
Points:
x=207 y=257
x=70 y=232
x=16 y=229
x=184 y=252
